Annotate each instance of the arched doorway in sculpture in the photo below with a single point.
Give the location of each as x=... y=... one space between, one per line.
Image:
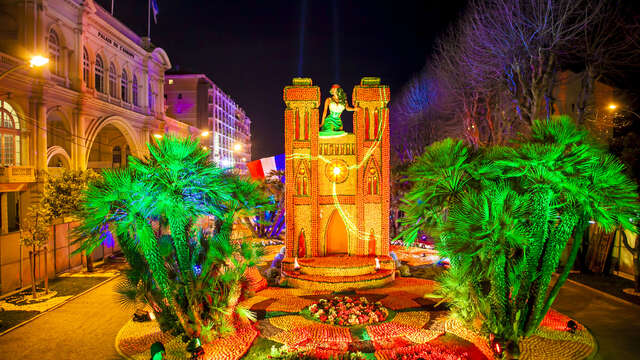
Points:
x=336 y=235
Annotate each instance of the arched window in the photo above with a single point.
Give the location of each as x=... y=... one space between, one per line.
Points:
x=117 y=156
x=124 y=86
x=99 y=74
x=54 y=52
x=372 y=181
x=85 y=66
x=127 y=153
x=113 y=90
x=302 y=180
x=134 y=91
x=150 y=94
x=9 y=135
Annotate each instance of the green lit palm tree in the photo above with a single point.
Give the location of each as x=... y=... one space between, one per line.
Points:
x=189 y=273
x=505 y=215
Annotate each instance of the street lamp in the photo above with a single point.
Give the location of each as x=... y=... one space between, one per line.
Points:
x=37 y=61
x=204 y=133
x=237 y=147
x=34 y=62
x=613 y=107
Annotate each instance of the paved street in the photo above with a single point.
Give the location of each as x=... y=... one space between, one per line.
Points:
x=615 y=324
x=83 y=329
x=86 y=327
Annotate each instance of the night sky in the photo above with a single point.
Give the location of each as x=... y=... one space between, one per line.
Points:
x=251 y=48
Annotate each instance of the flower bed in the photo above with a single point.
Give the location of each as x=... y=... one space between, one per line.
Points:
x=345 y=311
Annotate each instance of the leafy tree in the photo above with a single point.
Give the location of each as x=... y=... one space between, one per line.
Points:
x=512 y=53
x=62 y=194
x=504 y=215
x=190 y=273
x=34 y=233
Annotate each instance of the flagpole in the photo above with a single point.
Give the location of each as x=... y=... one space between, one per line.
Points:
x=149 y=21
x=112 y=7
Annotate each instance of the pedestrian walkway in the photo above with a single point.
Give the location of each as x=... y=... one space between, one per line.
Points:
x=84 y=328
x=615 y=324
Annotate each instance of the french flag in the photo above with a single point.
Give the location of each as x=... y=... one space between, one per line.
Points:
x=259 y=169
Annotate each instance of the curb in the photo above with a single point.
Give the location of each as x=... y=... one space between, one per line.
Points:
x=57 y=306
x=118 y=341
x=6 y=295
x=607 y=295
x=596 y=350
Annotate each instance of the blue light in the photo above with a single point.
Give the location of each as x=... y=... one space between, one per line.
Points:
x=197 y=269
x=106 y=236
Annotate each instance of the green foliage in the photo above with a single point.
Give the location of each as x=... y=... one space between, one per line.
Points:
x=504 y=215
x=62 y=194
x=36 y=226
x=173 y=213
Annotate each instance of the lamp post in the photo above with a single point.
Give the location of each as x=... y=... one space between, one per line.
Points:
x=34 y=62
x=613 y=107
x=617 y=113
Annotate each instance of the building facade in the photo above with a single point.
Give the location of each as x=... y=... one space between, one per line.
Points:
x=99 y=99
x=187 y=99
x=231 y=142
x=197 y=101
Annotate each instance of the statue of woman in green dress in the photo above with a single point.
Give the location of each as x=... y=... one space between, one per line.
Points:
x=332 y=125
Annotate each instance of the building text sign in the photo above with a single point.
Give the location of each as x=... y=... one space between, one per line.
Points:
x=116 y=45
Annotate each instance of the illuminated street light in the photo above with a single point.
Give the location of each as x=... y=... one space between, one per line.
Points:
x=204 y=133
x=237 y=147
x=34 y=62
x=38 y=61
x=623 y=110
x=157 y=136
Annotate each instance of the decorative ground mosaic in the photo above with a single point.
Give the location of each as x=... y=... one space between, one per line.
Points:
x=419 y=329
x=135 y=338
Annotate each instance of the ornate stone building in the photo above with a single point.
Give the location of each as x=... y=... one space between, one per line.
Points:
x=99 y=99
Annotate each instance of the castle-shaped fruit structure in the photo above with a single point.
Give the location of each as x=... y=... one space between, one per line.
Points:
x=337 y=192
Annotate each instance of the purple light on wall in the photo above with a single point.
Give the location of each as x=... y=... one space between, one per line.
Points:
x=106 y=236
x=183 y=106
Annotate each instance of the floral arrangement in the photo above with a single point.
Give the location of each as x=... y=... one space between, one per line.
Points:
x=345 y=311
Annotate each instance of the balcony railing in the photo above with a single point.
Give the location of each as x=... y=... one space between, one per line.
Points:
x=17 y=174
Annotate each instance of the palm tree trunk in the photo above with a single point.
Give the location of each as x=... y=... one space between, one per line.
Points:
x=551 y=256
x=178 y=224
x=89 y=262
x=575 y=246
